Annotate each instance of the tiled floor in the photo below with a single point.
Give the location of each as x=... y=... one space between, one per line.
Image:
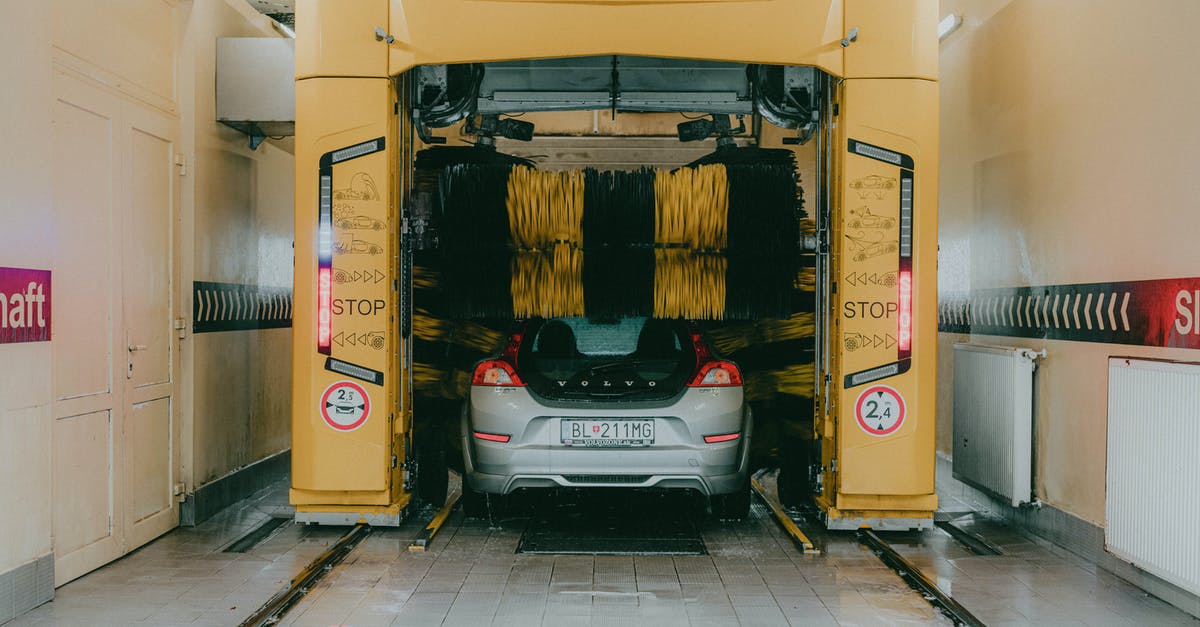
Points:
x=471 y=576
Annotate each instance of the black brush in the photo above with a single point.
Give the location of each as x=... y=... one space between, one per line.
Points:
x=759 y=286
x=618 y=282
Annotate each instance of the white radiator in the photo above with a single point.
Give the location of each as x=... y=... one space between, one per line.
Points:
x=993 y=419
x=1153 y=477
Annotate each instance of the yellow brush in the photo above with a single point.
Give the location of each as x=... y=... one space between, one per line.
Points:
x=544 y=208
x=731 y=339
x=798 y=380
x=691 y=207
x=425 y=278
x=688 y=285
x=548 y=285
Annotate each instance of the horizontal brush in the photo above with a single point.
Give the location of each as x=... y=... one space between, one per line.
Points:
x=730 y=339
x=799 y=380
x=432 y=381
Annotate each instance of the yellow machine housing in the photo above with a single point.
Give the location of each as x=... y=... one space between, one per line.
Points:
x=876 y=394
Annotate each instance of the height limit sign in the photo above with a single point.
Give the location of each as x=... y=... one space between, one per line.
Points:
x=879 y=410
x=345 y=406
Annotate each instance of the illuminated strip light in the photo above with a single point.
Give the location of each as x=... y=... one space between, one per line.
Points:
x=354 y=370
x=874 y=374
x=325 y=236
x=875 y=152
x=904 y=335
x=357 y=150
x=325 y=266
x=906 y=215
x=904 y=286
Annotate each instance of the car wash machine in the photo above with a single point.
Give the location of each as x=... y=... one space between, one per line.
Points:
x=430 y=214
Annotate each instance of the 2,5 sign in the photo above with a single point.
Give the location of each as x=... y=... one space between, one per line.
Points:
x=345 y=406
x=879 y=410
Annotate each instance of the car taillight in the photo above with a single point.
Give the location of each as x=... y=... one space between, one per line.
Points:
x=496 y=372
x=724 y=437
x=904 y=331
x=717 y=374
x=493 y=437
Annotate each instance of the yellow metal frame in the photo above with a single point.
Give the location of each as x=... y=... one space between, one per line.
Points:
x=886 y=96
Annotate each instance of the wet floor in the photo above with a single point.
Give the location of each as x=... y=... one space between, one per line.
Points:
x=748 y=573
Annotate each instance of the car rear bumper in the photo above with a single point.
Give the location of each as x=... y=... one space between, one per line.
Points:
x=534 y=458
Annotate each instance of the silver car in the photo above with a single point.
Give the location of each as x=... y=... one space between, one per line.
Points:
x=635 y=403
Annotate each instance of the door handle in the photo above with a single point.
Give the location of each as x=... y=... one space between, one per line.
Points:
x=137 y=347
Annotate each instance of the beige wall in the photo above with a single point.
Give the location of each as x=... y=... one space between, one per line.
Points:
x=241 y=212
x=235 y=209
x=1068 y=156
x=24 y=233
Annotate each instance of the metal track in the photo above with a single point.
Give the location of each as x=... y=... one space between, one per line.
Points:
x=973 y=542
x=273 y=610
x=917 y=580
x=435 y=524
x=789 y=526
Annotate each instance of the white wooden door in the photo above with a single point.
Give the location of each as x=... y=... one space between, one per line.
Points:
x=115 y=432
x=150 y=433
x=87 y=330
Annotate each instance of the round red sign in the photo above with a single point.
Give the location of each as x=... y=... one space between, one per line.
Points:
x=879 y=410
x=345 y=406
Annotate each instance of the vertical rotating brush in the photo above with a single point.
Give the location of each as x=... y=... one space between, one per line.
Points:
x=460 y=270
x=474 y=240
x=763 y=229
x=769 y=278
x=618 y=232
x=545 y=217
x=691 y=214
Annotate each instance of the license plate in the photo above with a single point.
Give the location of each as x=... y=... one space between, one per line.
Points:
x=607 y=433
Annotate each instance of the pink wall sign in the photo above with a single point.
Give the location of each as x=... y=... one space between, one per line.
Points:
x=24 y=305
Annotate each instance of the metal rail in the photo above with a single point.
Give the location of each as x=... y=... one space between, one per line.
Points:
x=273 y=610
x=973 y=542
x=785 y=521
x=917 y=580
x=435 y=524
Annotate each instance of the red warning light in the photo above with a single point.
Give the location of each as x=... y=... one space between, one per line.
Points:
x=904 y=332
x=324 y=310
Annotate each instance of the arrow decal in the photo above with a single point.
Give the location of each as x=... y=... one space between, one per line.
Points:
x=1139 y=313
x=237 y=307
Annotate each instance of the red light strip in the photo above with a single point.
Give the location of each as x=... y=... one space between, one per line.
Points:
x=324 y=309
x=904 y=332
x=493 y=437
x=725 y=437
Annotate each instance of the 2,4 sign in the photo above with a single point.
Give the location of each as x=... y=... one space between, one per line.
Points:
x=879 y=410
x=345 y=406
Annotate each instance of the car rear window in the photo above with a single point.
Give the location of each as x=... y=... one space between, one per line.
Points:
x=607 y=340
x=634 y=358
